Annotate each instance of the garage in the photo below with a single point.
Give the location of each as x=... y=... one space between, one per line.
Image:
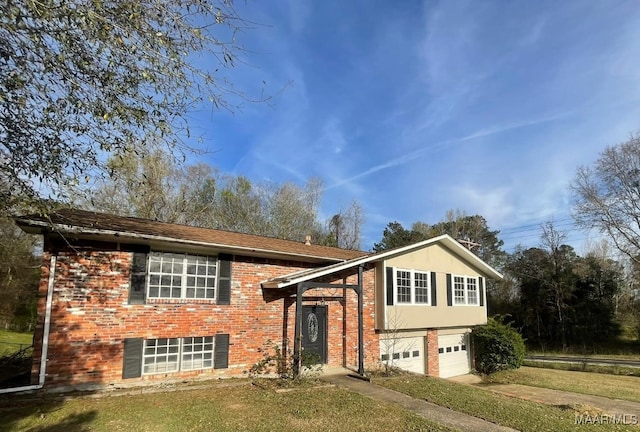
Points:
x=403 y=353
x=454 y=355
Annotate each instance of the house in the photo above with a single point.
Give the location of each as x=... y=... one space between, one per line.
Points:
x=128 y=302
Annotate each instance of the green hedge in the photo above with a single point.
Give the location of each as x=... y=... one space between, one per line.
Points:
x=497 y=346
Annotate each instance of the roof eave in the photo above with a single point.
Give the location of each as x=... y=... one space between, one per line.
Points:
x=36 y=226
x=448 y=240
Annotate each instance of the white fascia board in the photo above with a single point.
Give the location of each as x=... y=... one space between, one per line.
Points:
x=447 y=240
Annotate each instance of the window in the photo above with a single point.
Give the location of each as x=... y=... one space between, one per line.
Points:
x=421 y=282
x=403 y=281
x=161 y=355
x=412 y=287
x=197 y=353
x=472 y=291
x=181 y=276
x=174 y=354
x=465 y=290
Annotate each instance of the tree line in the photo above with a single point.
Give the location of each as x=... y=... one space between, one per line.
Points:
x=557 y=298
x=85 y=87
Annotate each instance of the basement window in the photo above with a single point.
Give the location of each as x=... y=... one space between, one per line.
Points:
x=174 y=354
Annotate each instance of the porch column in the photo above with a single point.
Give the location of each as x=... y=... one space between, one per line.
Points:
x=297 y=336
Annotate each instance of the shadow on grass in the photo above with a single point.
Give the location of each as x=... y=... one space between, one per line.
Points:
x=41 y=416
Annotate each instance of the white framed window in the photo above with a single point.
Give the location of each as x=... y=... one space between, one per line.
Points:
x=403 y=286
x=412 y=287
x=177 y=354
x=181 y=276
x=465 y=291
x=160 y=355
x=197 y=353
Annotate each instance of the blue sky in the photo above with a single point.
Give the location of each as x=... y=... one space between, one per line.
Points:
x=413 y=108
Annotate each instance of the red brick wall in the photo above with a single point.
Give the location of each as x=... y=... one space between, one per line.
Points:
x=433 y=359
x=91 y=317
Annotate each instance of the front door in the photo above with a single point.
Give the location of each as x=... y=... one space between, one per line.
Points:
x=314 y=335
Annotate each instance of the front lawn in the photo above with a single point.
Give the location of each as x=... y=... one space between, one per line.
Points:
x=219 y=408
x=507 y=411
x=612 y=386
x=11 y=342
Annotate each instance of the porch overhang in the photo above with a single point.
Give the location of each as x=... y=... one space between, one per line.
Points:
x=301 y=288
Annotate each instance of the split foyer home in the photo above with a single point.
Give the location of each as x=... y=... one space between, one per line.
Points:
x=127 y=301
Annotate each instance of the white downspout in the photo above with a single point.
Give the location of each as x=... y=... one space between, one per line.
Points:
x=47 y=322
x=45 y=335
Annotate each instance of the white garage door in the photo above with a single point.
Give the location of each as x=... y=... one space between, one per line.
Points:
x=403 y=353
x=454 y=355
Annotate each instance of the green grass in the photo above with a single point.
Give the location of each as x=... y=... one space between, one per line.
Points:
x=619 y=348
x=236 y=408
x=10 y=341
x=581 y=367
x=620 y=387
x=519 y=414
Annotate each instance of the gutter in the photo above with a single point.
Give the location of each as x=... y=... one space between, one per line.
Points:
x=70 y=229
x=45 y=336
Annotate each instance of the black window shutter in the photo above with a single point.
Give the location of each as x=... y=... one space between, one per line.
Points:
x=132 y=364
x=434 y=289
x=224 y=279
x=389 y=286
x=138 y=278
x=449 y=291
x=221 y=352
x=481 y=286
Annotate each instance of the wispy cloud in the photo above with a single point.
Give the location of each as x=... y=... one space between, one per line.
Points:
x=487 y=107
x=432 y=148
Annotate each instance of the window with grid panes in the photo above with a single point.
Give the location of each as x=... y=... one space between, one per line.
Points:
x=403 y=285
x=465 y=291
x=412 y=287
x=197 y=353
x=421 y=284
x=181 y=276
x=458 y=290
x=177 y=354
x=161 y=355
x=472 y=291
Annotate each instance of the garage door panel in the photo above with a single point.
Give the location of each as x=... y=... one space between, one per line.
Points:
x=404 y=353
x=454 y=355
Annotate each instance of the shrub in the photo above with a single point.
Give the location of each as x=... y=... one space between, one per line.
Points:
x=497 y=346
x=276 y=362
